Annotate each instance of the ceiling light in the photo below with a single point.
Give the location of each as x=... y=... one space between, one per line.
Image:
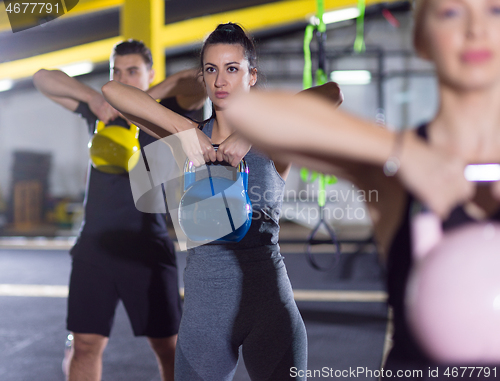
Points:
x=336 y=16
x=482 y=172
x=6 y=84
x=78 y=68
x=351 y=77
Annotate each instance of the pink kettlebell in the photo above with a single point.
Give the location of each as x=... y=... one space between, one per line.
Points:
x=453 y=293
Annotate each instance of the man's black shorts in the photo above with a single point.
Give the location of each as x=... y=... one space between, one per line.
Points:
x=148 y=289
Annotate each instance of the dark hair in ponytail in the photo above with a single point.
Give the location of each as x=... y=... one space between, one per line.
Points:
x=234 y=34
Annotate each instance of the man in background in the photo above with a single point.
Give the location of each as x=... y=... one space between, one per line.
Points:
x=121 y=253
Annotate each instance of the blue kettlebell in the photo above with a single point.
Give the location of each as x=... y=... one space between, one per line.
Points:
x=215 y=208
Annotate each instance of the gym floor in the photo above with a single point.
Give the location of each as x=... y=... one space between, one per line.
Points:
x=344 y=311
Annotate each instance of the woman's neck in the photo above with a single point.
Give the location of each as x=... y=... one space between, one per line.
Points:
x=221 y=129
x=468 y=124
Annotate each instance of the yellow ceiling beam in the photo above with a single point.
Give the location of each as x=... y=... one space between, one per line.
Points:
x=95 y=51
x=4 y=18
x=89 y=6
x=173 y=35
x=253 y=19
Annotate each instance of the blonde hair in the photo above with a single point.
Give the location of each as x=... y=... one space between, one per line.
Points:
x=418 y=22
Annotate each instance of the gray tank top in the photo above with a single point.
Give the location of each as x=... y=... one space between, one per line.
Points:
x=265 y=189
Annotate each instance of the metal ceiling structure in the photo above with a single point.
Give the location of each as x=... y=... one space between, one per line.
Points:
x=89 y=31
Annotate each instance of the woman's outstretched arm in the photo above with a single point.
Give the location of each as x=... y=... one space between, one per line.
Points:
x=156 y=120
x=308 y=126
x=138 y=106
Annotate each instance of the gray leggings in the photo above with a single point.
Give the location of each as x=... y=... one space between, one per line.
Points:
x=250 y=306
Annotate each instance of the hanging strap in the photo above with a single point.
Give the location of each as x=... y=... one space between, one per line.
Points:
x=359 y=43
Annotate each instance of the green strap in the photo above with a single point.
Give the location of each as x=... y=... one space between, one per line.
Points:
x=320 y=5
x=320 y=75
x=307 y=76
x=323 y=180
x=359 y=43
x=320 y=79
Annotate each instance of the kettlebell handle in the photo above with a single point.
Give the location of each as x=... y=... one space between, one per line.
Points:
x=133 y=128
x=189 y=166
x=190 y=170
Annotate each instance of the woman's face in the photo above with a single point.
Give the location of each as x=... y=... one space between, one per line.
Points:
x=226 y=72
x=462 y=38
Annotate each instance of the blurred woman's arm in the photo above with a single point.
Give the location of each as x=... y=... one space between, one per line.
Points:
x=307 y=127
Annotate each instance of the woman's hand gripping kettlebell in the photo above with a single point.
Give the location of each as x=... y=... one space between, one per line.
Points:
x=197 y=146
x=233 y=149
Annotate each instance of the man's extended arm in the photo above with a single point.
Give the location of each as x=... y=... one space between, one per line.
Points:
x=186 y=86
x=68 y=92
